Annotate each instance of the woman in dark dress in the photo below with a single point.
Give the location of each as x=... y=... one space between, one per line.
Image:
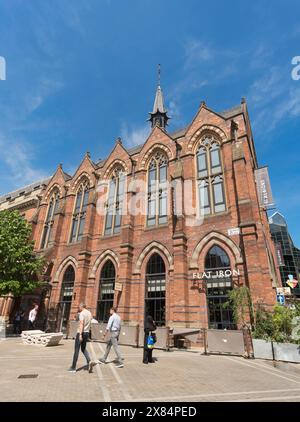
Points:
x=148 y=328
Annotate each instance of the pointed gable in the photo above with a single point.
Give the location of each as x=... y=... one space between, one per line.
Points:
x=158 y=139
x=85 y=169
x=119 y=155
x=58 y=181
x=206 y=120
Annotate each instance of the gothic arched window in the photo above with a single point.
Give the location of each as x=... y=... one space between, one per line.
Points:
x=219 y=284
x=106 y=292
x=48 y=225
x=114 y=203
x=210 y=177
x=79 y=212
x=157 y=190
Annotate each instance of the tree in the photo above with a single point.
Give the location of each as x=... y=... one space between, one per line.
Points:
x=241 y=305
x=20 y=267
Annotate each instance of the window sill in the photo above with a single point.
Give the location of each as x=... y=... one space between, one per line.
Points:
x=219 y=214
x=74 y=243
x=156 y=227
x=109 y=236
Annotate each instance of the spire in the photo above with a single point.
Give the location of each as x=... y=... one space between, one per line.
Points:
x=159 y=117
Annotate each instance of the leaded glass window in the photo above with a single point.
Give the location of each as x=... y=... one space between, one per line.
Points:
x=210 y=178
x=157 y=213
x=115 y=202
x=79 y=213
x=48 y=225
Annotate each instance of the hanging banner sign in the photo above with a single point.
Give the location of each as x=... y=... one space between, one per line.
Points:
x=279 y=255
x=291 y=282
x=263 y=187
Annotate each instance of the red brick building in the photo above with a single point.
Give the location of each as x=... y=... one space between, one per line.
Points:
x=196 y=239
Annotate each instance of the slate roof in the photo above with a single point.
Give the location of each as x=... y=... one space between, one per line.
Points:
x=26 y=190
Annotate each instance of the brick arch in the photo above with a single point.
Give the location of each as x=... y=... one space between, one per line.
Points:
x=112 y=165
x=64 y=264
x=108 y=254
x=51 y=190
x=80 y=179
x=154 y=247
x=215 y=238
x=148 y=154
x=219 y=133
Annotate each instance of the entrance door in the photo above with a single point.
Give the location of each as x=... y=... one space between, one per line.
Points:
x=63 y=316
x=155 y=291
x=64 y=306
x=107 y=290
x=220 y=316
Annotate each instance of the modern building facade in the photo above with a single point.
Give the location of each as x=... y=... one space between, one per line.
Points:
x=195 y=229
x=288 y=254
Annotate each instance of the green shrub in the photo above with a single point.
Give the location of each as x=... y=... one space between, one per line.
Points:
x=277 y=325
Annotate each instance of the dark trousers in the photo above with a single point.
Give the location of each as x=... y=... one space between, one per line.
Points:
x=31 y=325
x=147 y=357
x=17 y=327
x=80 y=345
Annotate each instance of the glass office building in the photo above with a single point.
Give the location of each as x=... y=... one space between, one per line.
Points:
x=289 y=255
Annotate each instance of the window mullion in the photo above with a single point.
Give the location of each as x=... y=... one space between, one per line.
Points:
x=115 y=206
x=157 y=196
x=79 y=213
x=210 y=186
x=47 y=235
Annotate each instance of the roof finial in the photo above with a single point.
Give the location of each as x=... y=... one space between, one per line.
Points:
x=159 y=116
x=158 y=74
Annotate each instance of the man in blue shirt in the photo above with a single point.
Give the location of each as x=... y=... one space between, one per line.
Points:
x=113 y=328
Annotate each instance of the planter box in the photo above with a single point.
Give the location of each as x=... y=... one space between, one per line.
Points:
x=285 y=352
x=262 y=349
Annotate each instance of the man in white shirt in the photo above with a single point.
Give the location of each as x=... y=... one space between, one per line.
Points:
x=113 y=328
x=82 y=336
x=32 y=317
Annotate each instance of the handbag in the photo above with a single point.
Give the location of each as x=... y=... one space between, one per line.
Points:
x=154 y=338
x=150 y=342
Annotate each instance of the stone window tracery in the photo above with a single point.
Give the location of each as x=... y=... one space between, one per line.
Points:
x=210 y=178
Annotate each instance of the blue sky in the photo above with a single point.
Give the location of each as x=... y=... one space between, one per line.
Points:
x=81 y=73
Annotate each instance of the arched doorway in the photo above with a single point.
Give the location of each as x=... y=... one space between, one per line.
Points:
x=219 y=284
x=66 y=297
x=155 y=289
x=106 y=291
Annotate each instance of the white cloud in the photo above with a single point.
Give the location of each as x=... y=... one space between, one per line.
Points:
x=273 y=98
x=16 y=157
x=134 y=135
x=197 y=52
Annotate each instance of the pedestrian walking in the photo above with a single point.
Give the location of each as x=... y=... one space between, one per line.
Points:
x=18 y=319
x=82 y=336
x=32 y=317
x=113 y=328
x=149 y=329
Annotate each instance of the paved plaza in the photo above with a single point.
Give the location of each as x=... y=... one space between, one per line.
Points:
x=176 y=376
